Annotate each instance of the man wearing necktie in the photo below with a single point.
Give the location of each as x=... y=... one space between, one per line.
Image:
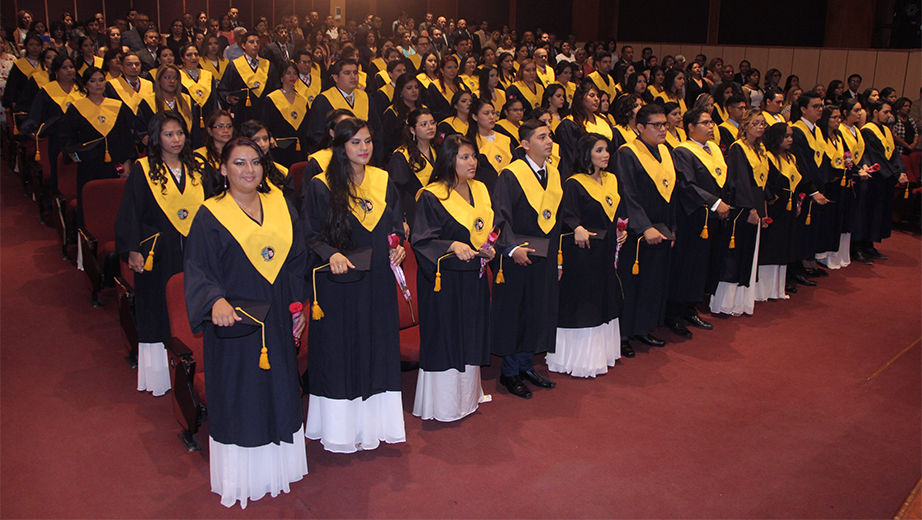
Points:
x=247 y=81
x=281 y=50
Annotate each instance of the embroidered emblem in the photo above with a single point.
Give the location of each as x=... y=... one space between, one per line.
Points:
x=609 y=201
x=268 y=253
x=367 y=205
x=294 y=115
x=546 y=214
x=478 y=224
x=183 y=214
x=102 y=119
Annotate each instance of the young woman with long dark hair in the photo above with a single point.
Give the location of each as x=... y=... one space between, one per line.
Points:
x=411 y=165
x=219 y=129
x=494 y=149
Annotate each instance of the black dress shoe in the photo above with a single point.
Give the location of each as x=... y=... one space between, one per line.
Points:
x=872 y=252
x=626 y=349
x=680 y=330
x=790 y=287
x=799 y=278
x=650 y=340
x=861 y=258
x=515 y=386
x=820 y=272
x=811 y=272
x=537 y=379
x=696 y=321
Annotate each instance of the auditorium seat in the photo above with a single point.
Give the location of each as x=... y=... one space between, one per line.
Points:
x=124 y=287
x=40 y=177
x=65 y=203
x=187 y=371
x=101 y=201
x=409 y=315
x=297 y=172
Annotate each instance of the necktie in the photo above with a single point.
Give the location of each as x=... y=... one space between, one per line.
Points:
x=542 y=176
x=351 y=99
x=707 y=149
x=284 y=49
x=254 y=63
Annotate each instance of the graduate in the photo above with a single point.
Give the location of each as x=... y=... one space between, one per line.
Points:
x=162 y=195
x=737 y=257
x=428 y=70
x=354 y=342
x=345 y=95
x=276 y=174
x=468 y=73
x=318 y=161
x=727 y=132
x=245 y=261
x=212 y=60
x=442 y=90
x=200 y=85
x=130 y=88
x=601 y=76
x=457 y=122
x=285 y=114
x=494 y=150
x=526 y=200
x=647 y=178
x=565 y=78
x=410 y=167
x=673 y=85
x=19 y=75
x=556 y=104
x=219 y=129
x=96 y=133
x=722 y=94
x=875 y=204
x=247 y=81
x=701 y=187
x=384 y=95
x=590 y=299
x=167 y=95
x=776 y=243
x=771 y=106
x=39 y=78
x=527 y=88
x=835 y=241
x=675 y=132
x=309 y=83
x=513 y=114
x=506 y=69
x=451 y=232
x=544 y=71
x=407 y=98
x=625 y=130
x=86 y=56
x=582 y=120
x=489 y=90
x=850 y=130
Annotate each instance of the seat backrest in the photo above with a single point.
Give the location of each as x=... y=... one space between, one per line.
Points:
x=67 y=178
x=101 y=201
x=45 y=159
x=297 y=172
x=408 y=318
x=179 y=319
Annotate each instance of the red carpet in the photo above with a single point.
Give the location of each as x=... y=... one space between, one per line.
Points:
x=770 y=416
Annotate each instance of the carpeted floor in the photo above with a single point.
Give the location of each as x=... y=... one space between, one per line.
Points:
x=771 y=416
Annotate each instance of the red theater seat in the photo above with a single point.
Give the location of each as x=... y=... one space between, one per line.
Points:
x=65 y=203
x=297 y=172
x=409 y=315
x=185 y=351
x=101 y=201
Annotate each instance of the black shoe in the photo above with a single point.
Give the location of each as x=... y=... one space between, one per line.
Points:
x=515 y=386
x=696 y=321
x=861 y=258
x=819 y=272
x=810 y=272
x=680 y=330
x=650 y=340
x=872 y=252
x=799 y=278
x=537 y=379
x=790 y=287
x=626 y=349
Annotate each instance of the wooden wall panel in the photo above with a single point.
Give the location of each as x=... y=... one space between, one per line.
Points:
x=861 y=62
x=713 y=51
x=806 y=60
x=758 y=58
x=690 y=51
x=169 y=11
x=217 y=8
x=245 y=14
x=913 y=76
x=781 y=59
x=733 y=55
x=192 y=7
x=891 y=70
x=148 y=7
x=832 y=66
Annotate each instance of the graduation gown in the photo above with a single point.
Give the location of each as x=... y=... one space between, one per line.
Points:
x=701 y=179
x=148 y=107
x=392 y=128
x=119 y=89
x=873 y=220
x=203 y=93
x=646 y=183
x=145 y=211
x=247 y=405
x=39 y=79
x=454 y=323
x=317 y=163
x=531 y=99
x=16 y=82
x=289 y=124
x=590 y=291
x=567 y=135
x=217 y=72
x=450 y=126
x=833 y=172
x=854 y=146
x=622 y=135
x=45 y=115
x=240 y=76
x=505 y=127
x=409 y=179
x=492 y=158
x=776 y=245
x=363 y=107
x=439 y=101
x=354 y=350
x=524 y=310
x=809 y=149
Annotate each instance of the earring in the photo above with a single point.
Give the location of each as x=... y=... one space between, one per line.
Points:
x=225 y=182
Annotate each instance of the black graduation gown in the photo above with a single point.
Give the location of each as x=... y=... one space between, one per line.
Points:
x=873 y=221
x=392 y=128
x=644 y=293
x=567 y=135
x=776 y=244
x=407 y=184
x=15 y=85
x=287 y=136
x=140 y=217
x=735 y=265
x=454 y=323
x=830 y=225
x=146 y=112
x=31 y=89
x=318 y=121
x=590 y=290
x=232 y=83
x=203 y=110
x=486 y=172
x=247 y=406
x=435 y=100
x=46 y=114
x=695 y=194
x=524 y=309
x=813 y=180
x=354 y=350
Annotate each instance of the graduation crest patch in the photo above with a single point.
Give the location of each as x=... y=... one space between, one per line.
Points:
x=267 y=253
x=183 y=214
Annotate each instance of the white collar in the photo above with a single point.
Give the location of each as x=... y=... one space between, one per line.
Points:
x=534 y=165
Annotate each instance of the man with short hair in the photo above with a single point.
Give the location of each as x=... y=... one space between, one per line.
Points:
x=131 y=16
x=627 y=55
x=232 y=14
x=384 y=95
x=644 y=63
x=473 y=42
x=148 y=54
x=601 y=76
x=188 y=26
x=741 y=75
x=232 y=52
x=483 y=34
x=854 y=87
x=376 y=23
x=130 y=88
x=422 y=45
x=310 y=84
x=248 y=80
x=526 y=200
x=401 y=20
x=281 y=50
x=528 y=38
x=427 y=23
x=462 y=47
x=134 y=39
x=728 y=131
x=439 y=42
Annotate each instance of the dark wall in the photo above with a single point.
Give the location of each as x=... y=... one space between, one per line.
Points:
x=799 y=22
x=553 y=16
x=496 y=12
x=679 y=21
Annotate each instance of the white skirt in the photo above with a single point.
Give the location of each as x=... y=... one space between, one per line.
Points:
x=345 y=426
x=734 y=299
x=153 y=369
x=842 y=257
x=770 y=286
x=448 y=395
x=586 y=352
x=239 y=473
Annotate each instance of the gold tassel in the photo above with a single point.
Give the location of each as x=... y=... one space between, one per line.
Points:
x=248 y=99
x=297 y=145
x=560 y=248
x=107 y=157
x=201 y=121
x=149 y=261
x=809 y=211
x=636 y=269
x=264 y=359
x=844 y=181
x=438 y=282
x=316 y=311
x=38 y=154
x=264 y=353
x=704 y=231
x=499 y=276
x=905 y=193
x=791 y=201
x=15 y=126
x=733 y=233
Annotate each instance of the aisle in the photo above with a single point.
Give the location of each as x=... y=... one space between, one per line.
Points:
x=769 y=416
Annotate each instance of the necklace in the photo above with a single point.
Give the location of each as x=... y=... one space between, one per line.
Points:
x=177 y=172
x=243 y=206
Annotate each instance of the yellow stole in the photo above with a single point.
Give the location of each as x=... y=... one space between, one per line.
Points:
x=266 y=246
x=323 y=158
x=729 y=127
x=836 y=153
x=25 y=67
x=478 y=219
x=373 y=196
x=426 y=172
x=338 y=101
x=380 y=63
x=788 y=169
x=41 y=78
x=772 y=119
x=415 y=59
x=500 y=99
x=309 y=92
x=255 y=80
x=457 y=124
x=63 y=99
x=446 y=93
x=281 y=168
x=217 y=72
x=199 y=90
x=507 y=125
x=203 y=153
x=424 y=79
x=627 y=133
x=714 y=161
x=666 y=99
x=814 y=139
x=885 y=138
x=128 y=95
x=606 y=194
x=533 y=98
x=604 y=84
x=505 y=82
x=497 y=152
x=293 y=113
x=554 y=159
x=102 y=116
x=722 y=112
x=472 y=82
x=662 y=173
x=673 y=140
x=759 y=164
x=388 y=90
x=597 y=126
x=153 y=74
x=180 y=208
x=547 y=76
x=544 y=201
x=97 y=62
x=151 y=101
x=855 y=142
x=569 y=89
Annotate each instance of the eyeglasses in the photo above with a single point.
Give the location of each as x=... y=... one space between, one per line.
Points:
x=706 y=123
x=516 y=109
x=425 y=124
x=227 y=126
x=657 y=126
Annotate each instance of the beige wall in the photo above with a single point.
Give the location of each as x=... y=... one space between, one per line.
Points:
x=901 y=69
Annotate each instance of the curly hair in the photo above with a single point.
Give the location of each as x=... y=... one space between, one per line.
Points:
x=158 y=170
x=337 y=230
